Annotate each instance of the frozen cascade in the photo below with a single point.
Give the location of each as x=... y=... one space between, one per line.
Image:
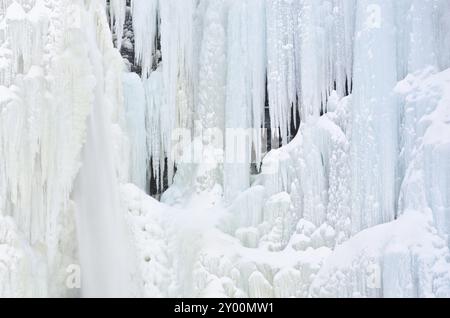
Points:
x=237 y=110
x=135 y=107
x=102 y=236
x=329 y=183
x=281 y=38
x=145 y=29
x=281 y=75
x=211 y=98
x=153 y=90
x=177 y=34
x=47 y=91
x=355 y=204
x=118 y=14
x=375 y=116
x=104 y=246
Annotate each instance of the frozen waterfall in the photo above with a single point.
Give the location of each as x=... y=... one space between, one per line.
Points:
x=225 y=148
x=104 y=248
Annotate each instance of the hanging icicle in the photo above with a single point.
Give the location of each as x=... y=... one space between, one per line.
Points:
x=145 y=28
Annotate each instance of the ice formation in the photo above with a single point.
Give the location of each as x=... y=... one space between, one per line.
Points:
x=355 y=202
x=56 y=57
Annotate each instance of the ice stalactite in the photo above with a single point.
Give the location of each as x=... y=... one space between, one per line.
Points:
x=117 y=9
x=442 y=16
x=257 y=72
x=241 y=104
x=212 y=71
x=101 y=225
x=347 y=205
x=135 y=106
x=211 y=98
x=421 y=26
x=177 y=51
x=145 y=23
x=144 y=105
x=186 y=83
x=323 y=68
x=173 y=20
x=47 y=84
x=425 y=141
x=375 y=116
x=401 y=264
x=308 y=58
x=281 y=69
x=313 y=54
x=153 y=87
x=343 y=32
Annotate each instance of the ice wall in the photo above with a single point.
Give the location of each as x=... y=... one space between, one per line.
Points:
x=280 y=42
x=425 y=139
x=48 y=87
x=105 y=251
x=366 y=79
x=136 y=113
x=375 y=116
x=358 y=199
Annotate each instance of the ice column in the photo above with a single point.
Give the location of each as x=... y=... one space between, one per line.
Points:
x=374 y=119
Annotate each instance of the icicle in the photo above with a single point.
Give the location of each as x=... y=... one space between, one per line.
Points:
x=422 y=52
x=310 y=54
x=343 y=39
x=375 y=116
x=238 y=109
x=118 y=13
x=135 y=105
x=155 y=111
x=145 y=23
x=281 y=72
x=246 y=78
x=213 y=68
x=311 y=57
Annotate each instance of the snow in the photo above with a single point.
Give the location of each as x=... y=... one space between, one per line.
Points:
x=101 y=227
x=425 y=152
x=169 y=234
